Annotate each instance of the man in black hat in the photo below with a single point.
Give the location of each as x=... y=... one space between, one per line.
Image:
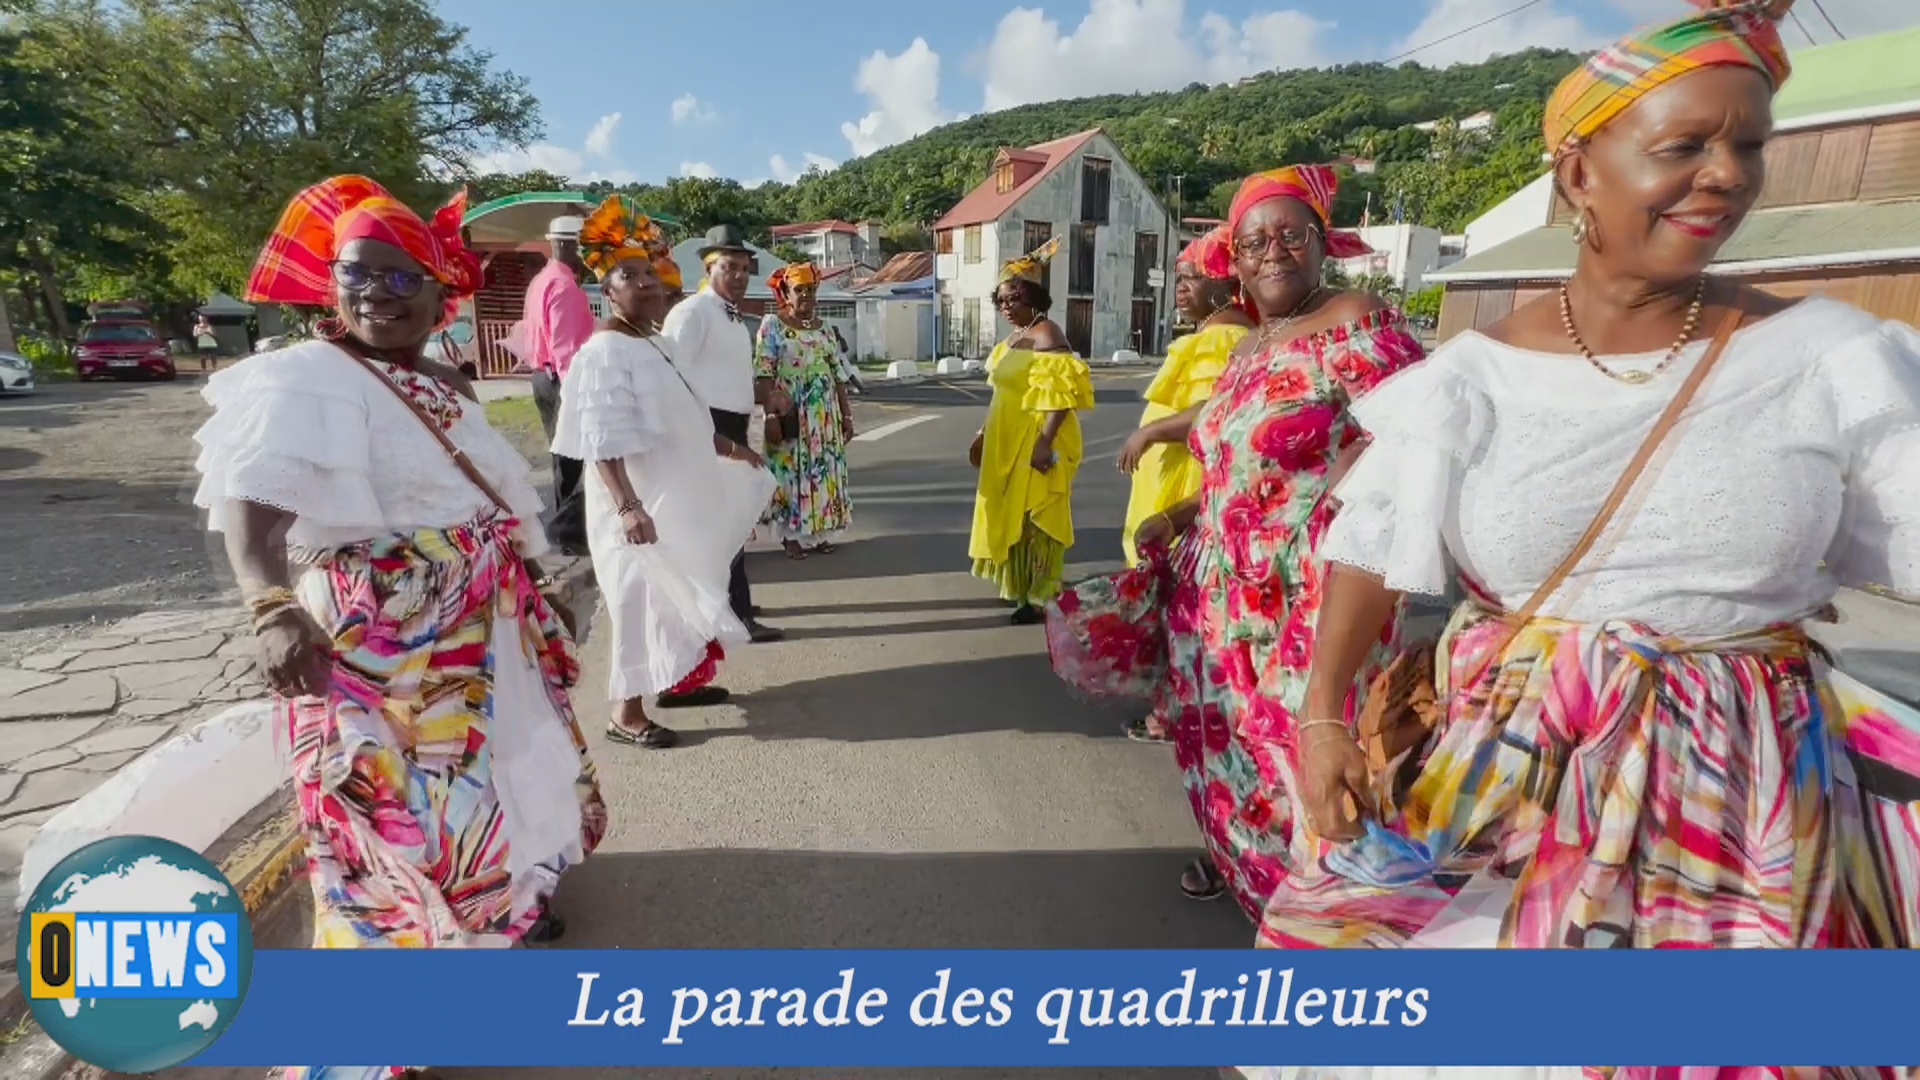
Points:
x=714 y=351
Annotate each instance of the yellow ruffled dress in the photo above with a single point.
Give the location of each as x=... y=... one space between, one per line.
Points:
x=1168 y=472
x=1023 y=519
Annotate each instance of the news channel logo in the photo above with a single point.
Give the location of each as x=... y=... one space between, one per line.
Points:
x=135 y=953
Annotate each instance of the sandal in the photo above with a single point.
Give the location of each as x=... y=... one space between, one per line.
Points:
x=652 y=737
x=1139 y=731
x=794 y=551
x=824 y=549
x=1028 y=615
x=1202 y=869
x=547 y=928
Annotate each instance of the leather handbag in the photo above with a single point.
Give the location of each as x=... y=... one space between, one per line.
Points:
x=1403 y=708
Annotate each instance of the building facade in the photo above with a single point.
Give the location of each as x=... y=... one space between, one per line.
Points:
x=833 y=243
x=1112 y=281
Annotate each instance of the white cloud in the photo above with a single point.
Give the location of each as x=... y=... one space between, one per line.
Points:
x=1543 y=27
x=904 y=94
x=558 y=160
x=689 y=109
x=698 y=169
x=600 y=139
x=786 y=172
x=1123 y=46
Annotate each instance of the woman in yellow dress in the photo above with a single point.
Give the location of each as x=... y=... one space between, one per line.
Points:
x=1030 y=448
x=1164 y=471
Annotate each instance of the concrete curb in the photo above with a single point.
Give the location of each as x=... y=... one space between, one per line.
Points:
x=262 y=854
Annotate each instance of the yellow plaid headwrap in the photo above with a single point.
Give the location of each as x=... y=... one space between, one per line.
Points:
x=1031 y=266
x=1737 y=33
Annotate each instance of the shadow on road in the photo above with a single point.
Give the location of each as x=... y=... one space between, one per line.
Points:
x=901 y=555
x=928 y=701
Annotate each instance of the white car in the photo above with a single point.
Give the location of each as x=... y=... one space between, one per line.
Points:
x=16 y=374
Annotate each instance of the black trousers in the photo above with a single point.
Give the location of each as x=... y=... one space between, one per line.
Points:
x=734 y=426
x=567 y=524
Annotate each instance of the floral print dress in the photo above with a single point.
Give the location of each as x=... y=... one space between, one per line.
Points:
x=810 y=502
x=1241 y=624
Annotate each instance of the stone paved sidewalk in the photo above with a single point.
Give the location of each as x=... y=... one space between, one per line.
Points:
x=73 y=715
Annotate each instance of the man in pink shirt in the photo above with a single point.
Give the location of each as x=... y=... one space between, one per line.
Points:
x=558 y=320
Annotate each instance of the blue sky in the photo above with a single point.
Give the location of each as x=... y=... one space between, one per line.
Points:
x=757 y=90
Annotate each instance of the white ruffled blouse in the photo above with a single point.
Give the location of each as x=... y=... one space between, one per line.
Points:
x=1795 y=471
x=308 y=430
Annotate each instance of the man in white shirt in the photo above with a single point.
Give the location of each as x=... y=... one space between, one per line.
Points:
x=714 y=351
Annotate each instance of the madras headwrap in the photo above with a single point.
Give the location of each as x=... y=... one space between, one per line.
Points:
x=1735 y=33
x=1313 y=185
x=296 y=264
x=1032 y=266
x=617 y=230
x=783 y=281
x=1211 y=255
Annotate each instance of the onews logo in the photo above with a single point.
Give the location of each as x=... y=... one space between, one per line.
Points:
x=135 y=953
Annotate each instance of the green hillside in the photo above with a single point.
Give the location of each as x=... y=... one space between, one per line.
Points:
x=1210 y=136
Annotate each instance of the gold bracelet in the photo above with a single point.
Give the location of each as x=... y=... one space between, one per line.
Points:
x=1341 y=724
x=266 y=615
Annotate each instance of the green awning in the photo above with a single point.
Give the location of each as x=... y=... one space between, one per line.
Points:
x=1791 y=237
x=513 y=220
x=1855 y=75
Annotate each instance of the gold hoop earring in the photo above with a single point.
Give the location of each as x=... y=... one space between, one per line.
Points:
x=1581 y=224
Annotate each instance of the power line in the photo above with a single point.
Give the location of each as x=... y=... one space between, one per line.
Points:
x=1822 y=9
x=1804 y=32
x=1462 y=33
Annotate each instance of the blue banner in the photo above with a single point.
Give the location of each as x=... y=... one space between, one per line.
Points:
x=925 y=1008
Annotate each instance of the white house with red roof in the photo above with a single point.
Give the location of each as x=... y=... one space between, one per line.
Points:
x=834 y=243
x=1112 y=282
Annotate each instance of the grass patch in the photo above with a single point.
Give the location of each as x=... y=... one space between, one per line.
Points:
x=519 y=420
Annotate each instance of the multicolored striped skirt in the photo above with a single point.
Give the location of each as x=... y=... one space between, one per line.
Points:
x=1603 y=786
x=443 y=785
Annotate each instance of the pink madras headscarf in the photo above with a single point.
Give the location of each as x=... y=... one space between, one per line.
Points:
x=1313 y=185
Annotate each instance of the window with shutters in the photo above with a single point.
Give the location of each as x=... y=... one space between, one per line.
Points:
x=1003 y=177
x=973 y=243
x=1096 y=190
x=1146 y=256
x=944 y=242
x=1035 y=234
x=1080 y=261
x=970 y=330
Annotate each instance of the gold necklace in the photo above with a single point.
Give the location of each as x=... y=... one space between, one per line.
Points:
x=1269 y=330
x=1635 y=378
x=628 y=323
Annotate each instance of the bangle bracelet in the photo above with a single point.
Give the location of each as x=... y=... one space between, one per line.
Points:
x=273 y=597
x=1309 y=725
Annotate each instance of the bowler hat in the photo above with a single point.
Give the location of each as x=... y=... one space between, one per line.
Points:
x=725 y=238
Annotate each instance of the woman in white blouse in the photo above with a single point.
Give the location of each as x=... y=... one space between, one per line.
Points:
x=420 y=674
x=669 y=501
x=1657 y=760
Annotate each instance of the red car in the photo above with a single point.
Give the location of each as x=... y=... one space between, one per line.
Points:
x=111 y=350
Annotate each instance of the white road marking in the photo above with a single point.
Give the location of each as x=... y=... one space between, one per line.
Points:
x=897 y=426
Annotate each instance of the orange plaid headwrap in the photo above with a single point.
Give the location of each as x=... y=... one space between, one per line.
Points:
x=783 y=281
x=1313 y=185
x=296 y=265
x=617 y=230
x=1736 y=33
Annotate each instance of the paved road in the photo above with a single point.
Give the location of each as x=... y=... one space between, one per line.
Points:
x=904 y=771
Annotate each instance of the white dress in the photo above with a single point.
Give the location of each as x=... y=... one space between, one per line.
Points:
x=1795 y=473
x=623 y=399
x=308 y=430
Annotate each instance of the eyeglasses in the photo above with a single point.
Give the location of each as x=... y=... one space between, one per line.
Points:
x=360 y=278
x=1256 y=245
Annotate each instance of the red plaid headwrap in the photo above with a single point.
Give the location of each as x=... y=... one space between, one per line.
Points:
x=295 y=266
x=1310 y=184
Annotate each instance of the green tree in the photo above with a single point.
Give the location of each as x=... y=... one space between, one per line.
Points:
x=230 y=106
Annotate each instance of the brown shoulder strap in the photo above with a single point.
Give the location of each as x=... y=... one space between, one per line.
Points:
x=1661 y=428
x=458 y=455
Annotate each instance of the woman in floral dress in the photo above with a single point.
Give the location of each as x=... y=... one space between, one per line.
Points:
x=1241 y=599
x=807 y=446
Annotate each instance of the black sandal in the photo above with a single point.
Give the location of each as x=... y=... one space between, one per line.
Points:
x=547 y=928
x=1203 y=869
x=653 y=737
x=1028 y=615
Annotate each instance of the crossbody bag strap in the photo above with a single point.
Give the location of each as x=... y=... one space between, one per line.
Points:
x=1622 y=487
x=458 y=455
